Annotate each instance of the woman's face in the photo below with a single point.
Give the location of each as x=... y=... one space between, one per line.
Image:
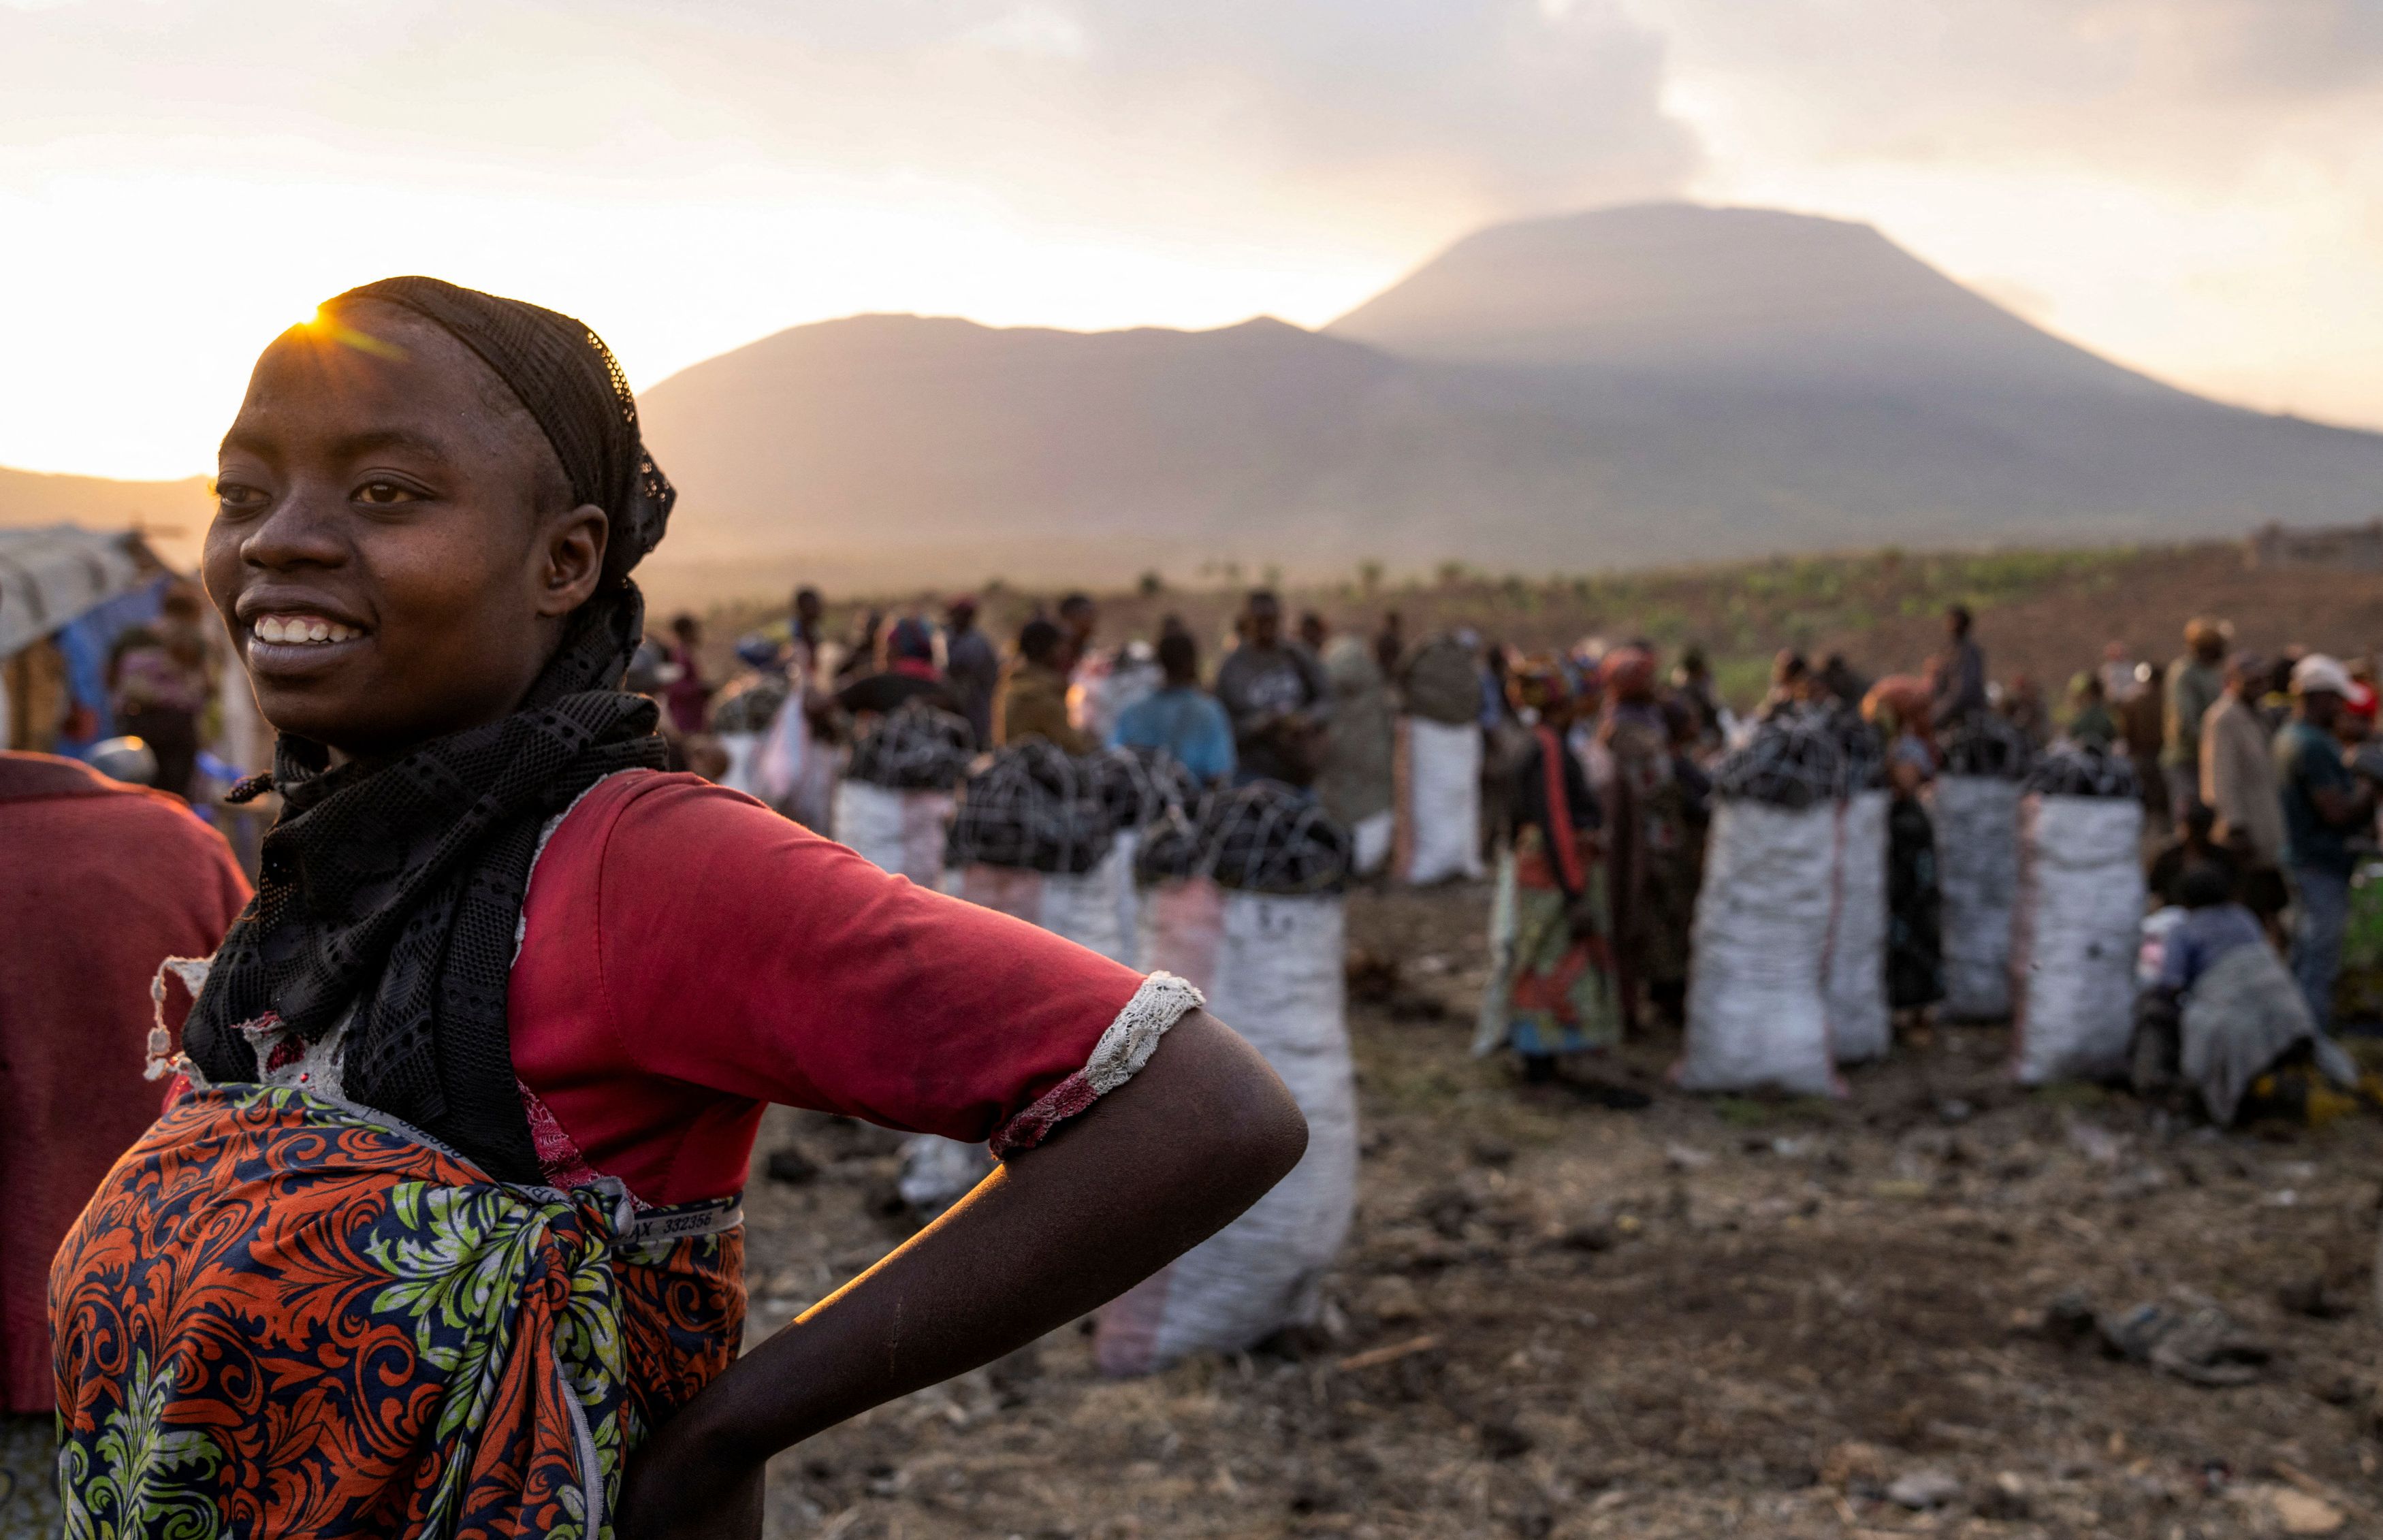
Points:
x=393 y=549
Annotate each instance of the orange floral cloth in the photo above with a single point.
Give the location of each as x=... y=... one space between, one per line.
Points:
x=284 y=1316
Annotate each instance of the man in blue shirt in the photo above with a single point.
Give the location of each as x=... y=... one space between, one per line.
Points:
x=2323 y=804
x=1179 y=717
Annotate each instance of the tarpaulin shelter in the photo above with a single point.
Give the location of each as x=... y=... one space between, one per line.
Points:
x=77 y=590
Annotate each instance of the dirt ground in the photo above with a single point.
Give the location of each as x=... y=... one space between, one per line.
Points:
x=1706 y=1317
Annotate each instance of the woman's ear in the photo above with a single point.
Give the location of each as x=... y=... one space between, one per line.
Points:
x=570 y=558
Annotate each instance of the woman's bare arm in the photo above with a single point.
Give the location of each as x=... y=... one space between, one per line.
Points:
x=1154 y=1168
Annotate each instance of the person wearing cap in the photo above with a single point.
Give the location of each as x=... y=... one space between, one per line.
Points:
x=2323 y=806
x=971 y=665
x=2195 y=681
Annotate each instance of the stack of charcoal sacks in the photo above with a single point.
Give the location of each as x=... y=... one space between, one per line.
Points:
x=1758 y=1013
x=1244 y=900
x=894 y=805
x=1028 y=839
x=1142 y=787
x=1435 y=767
x=2077 y=918
x=1854 y=977
x=1975 y=806
x=743 y=713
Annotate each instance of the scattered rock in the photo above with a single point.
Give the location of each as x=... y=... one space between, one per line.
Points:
x=789 y=1164
x=1393 y=1299
x=1924 y=1488
x=2069 y=1318
x=2301 y=1513
x=1594 y=1235
x=2096 y=1143
x=2311 y=1298
x=1612 y=1098
x=1503 y=1440
x=1687 y=1157
x=1496 y=1153
x=1854 y=1463
x=2005 y=1498
x=1447 y=1210
x=2202 y=1347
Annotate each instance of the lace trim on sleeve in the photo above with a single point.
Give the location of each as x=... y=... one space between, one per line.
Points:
x=1123 y=1051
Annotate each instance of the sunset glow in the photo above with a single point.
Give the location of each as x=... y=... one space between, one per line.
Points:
x=177 y=182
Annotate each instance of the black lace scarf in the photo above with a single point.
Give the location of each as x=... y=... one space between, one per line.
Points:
x=396 y=886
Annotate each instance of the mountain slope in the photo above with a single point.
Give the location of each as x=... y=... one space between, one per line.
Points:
x=175 y=514
x=1647 y=384
x=1643 y=384
x=1674 y=290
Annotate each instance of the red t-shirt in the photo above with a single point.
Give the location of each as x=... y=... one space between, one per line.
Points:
x=99 y=883
x=688 y=956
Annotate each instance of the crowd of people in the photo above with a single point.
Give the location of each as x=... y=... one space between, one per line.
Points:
x=1598 y=766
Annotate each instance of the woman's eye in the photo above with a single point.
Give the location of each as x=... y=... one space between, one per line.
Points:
x=233 y=494
x=385 y=492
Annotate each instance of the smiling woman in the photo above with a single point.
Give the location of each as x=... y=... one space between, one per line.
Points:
x=440 y=1232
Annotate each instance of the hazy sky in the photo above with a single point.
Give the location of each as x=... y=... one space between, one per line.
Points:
x=2194 y=187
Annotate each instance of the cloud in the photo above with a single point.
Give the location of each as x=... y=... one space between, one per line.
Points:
x=1477 y=106
x=2192 y=186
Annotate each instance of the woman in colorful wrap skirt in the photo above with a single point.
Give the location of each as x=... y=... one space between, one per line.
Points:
x=439 y=1232
x=1552 y=992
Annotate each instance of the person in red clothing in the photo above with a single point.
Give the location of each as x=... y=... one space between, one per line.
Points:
x=470 y=1088
x=100 y=882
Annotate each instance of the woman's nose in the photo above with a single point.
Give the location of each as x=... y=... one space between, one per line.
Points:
x=302 y=531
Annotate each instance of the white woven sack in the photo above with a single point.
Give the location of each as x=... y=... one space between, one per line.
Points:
x=744 y=751
x=1369 y=842
x=938 y=1171
x=1442 y=810
x=796 y=773
x=1977 y=871
x=1854 y=983
x=1271 y=966
x=1117 y=870
x=1756 y=1014
x=1082 y=908
x=2077 y=925
x=900 y=831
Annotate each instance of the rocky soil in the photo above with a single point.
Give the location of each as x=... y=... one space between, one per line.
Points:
x=1871 y=1316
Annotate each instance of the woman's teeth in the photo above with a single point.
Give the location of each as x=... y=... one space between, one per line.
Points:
x=303 y=629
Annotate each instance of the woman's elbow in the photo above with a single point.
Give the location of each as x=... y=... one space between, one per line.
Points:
x=1272 y=1135
x=1257 y=1132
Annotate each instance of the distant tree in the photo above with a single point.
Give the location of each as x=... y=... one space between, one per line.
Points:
x=1369 y=577
x=1232 y=570
x=1272 y=576
x=1451 y=574
x=1151 y=584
